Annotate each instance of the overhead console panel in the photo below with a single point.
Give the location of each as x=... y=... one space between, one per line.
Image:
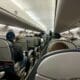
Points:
x=67 y=15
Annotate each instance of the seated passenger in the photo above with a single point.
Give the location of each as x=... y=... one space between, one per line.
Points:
x=17 y=53
x=25 y=61
x=10 y=73
x=57 y=46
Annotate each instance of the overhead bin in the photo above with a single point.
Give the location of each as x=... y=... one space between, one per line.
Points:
x=10 y=19
x=67 y=15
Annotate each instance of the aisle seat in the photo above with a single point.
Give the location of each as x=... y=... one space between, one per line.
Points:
x=69 y=45
x=6 y=62
x=59 y=65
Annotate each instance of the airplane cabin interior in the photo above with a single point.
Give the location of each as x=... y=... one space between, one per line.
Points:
x=39 y=39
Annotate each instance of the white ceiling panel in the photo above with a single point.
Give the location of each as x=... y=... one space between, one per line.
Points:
x=38 y=12
x=43 y=10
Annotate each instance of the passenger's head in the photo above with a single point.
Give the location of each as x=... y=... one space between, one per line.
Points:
x=57 y=35
x=10 y=36
x=50 y=33
x=57 y=46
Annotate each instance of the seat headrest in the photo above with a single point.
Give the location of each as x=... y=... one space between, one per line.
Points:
x=77 y=43
x=63 y=66
x=5 y=53
x=60 y=44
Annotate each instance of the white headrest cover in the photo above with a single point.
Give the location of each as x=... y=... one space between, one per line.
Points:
x=61 y=66
x=5 y=53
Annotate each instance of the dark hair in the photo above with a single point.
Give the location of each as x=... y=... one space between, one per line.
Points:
x=57 y=35
x=10 y=36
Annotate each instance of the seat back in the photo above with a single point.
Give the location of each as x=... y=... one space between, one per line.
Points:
x=77 y=43
x=70 y=45
x=5 y=53
x=30 y=42
x=36 y=41
x=6 y=62
x=63 y=66
x=22 y=43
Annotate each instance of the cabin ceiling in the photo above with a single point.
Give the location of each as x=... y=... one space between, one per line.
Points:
x=67 y=15
x=39 y=13
x=44 y=10
x=9 y=19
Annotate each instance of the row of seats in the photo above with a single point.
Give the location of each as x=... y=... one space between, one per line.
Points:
x=19 y=54
x=6 y=61
x=59 y=63
x=28 y=42
x=31 y=46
